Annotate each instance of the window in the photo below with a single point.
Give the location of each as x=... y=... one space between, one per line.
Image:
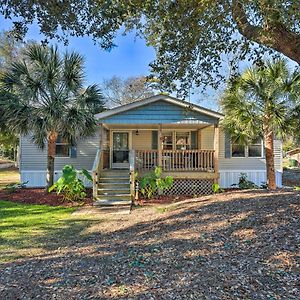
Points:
x=255 y=149
x=238 y=150
x=252 y=150
x=62 y=147
x=167 y=140
x=183 y=140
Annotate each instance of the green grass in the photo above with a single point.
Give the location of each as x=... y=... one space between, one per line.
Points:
x=10 y=175
x=27 y=230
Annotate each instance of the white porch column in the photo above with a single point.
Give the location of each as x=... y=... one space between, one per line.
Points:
x=159 y=146
x=217 y=150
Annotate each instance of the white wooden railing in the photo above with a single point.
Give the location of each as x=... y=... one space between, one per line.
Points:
x=188 y=160
x=97 y=168
x=146 y=159
x=132 y=169
x=176 y=160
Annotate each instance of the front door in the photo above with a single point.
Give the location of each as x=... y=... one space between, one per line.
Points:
x=120 y=150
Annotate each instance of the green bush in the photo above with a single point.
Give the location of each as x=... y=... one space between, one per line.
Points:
x=152 y=182
x=216 y=188
x=69 y=185
x=244 y=183
x=293 y=163
x=13 y=187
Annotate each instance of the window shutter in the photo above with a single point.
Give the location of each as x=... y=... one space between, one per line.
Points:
x=73 y=151
x=227 y=145
x=194 y=141
x=154 y=140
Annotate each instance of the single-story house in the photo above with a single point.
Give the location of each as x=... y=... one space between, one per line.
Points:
x=185 y=139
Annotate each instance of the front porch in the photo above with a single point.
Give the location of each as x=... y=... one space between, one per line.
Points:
x=140 y=148
x=180 y=137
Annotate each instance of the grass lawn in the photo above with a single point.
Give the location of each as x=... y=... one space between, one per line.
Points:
x=28 y=230
x=10 y=175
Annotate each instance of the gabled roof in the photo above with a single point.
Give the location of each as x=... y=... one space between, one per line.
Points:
x=160 y=97
x=293 y=151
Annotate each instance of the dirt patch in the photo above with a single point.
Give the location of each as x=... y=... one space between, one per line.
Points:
x=39 y=196
x=162 y=200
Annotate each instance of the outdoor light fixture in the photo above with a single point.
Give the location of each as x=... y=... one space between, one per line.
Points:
x=137 y=132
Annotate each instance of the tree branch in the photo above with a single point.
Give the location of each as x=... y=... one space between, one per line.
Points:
x=276 y=36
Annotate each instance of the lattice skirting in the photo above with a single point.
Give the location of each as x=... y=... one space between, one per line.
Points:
x=190 y=187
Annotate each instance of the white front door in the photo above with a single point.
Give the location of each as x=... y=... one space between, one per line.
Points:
x=120 y=150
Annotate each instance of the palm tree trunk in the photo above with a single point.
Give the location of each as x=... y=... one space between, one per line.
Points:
x=52 y=137
x=270 y=166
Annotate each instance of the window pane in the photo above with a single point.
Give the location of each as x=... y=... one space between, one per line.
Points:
x=62 y=150
x=167 y=140
x=254 y=150
x=238 y=150
x=182 y=140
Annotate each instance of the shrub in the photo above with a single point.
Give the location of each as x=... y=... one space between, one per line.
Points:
x=69 y=185
x=293 y=163
x=244 y=183
x=152 y=182
x=13 y=187
x=216 y=188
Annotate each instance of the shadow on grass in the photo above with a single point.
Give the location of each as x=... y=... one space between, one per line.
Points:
x=39 y=227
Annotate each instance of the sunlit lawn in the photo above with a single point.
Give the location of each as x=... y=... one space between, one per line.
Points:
x=26 y=230
x=10 y=175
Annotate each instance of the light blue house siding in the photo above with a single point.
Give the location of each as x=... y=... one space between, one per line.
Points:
x=159 y=112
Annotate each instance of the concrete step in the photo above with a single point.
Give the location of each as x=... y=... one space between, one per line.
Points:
x=113 y=209
x=112 y=202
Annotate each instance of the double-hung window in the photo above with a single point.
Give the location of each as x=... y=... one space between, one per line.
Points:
x=62 y=147
x=255 y=149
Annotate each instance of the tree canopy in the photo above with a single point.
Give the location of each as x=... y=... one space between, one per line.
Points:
x=263 y=102
x=190 y=37
x=43 y=95
x=118 y=91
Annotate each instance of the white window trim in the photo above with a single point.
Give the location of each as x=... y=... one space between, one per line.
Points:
x=174 y=136
x=247 y=151
x=69 y=150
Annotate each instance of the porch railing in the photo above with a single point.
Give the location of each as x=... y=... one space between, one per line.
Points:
x=146 y=159
x=176 y=160
x=97 y=168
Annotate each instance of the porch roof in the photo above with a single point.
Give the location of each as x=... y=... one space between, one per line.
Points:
x=160 y=109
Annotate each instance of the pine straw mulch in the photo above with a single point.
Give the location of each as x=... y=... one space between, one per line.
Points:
x=39 y=196
x=237 y=245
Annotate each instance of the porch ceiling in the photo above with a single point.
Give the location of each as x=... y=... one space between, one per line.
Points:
x=155 y=126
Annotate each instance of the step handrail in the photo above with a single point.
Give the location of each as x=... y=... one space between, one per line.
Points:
x=97 y=168
x=132 y=160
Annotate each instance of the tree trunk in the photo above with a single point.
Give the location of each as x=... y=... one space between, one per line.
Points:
x=52 y=137
x=270 y=166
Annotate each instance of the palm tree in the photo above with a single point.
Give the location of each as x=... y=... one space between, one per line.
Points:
x=43 y=95
x=262 y=102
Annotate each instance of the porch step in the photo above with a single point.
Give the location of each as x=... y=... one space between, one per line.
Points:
x=113 y=190
x=113 y=180
x=115 y=173
x=114 y=185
